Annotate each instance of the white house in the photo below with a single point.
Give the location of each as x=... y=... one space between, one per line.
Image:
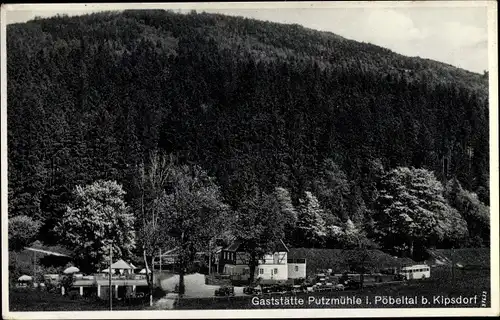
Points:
x=296 y=268
x=273 y=266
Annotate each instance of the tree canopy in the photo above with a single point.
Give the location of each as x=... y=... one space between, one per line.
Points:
x=98 y=216
x=414 y=210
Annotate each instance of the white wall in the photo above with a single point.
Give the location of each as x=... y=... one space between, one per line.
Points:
x=269 y=271
x=300 y=273
x=232 y=269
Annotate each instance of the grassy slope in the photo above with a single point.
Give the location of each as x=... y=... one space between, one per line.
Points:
x=474 y=257
x=337 y=259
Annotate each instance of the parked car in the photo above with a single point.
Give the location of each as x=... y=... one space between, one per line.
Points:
x=352 y=284
x=399 y=277
x=298 y=288
x=267 y=289
x=248 y=290
x=252 y=290
x=225 y=291
x=344 y=278
x=286 y=287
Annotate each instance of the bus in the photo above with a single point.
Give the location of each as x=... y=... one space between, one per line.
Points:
x=419 y=271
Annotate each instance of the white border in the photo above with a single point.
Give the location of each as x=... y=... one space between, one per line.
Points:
x=268 y=313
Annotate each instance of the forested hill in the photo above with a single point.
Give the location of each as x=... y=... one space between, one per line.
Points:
x=256 y=104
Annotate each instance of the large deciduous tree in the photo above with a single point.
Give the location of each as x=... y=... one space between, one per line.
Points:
x=332 y=189
x=288 y=211
x=259 y=226
x=22 y=231
x=475 y=213
x=413 y=211
x=151 y=184
x=311 y=228
x=97 y=215
x=192 y=213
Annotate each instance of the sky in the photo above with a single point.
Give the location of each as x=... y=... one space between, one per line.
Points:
x=455 y=33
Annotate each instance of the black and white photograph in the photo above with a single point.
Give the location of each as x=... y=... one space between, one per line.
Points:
x=266 y=159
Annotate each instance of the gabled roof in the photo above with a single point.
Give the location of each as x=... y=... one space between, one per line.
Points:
x=234 y=246
x=278 y=247
x=120 y=264
x=170 y=252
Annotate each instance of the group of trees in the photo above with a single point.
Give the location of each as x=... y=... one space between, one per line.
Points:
x=182 y=206
x=277 y=125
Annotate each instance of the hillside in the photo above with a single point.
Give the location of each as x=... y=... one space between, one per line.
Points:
x=466 y=257
x=256 y=104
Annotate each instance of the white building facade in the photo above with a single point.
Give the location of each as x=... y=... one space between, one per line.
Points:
x=273 y=266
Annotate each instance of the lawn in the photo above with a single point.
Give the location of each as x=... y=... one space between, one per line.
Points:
x=34 y=300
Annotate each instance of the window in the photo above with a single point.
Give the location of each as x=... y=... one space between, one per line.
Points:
x=296 y=268
x=261 y=271
x=275 y=270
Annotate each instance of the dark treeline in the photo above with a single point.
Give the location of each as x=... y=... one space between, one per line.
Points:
x=258 y=105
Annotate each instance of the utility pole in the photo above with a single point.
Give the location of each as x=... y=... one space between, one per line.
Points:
x=452 y=264
x=34 y=266
x=160 y=260
x=209 y=260
x=110 y=275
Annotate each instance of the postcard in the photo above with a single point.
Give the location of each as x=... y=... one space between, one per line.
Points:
x=234 y=160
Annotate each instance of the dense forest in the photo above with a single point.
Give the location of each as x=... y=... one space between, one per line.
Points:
x=335 y=125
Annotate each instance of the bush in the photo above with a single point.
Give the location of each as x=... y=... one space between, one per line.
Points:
x=22 y=231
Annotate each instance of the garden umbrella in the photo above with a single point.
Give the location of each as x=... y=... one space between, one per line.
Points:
x=71 y=270
x=144 y=270
x=25 y=278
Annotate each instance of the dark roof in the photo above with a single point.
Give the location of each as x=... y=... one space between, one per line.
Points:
x=58 y=251
x=279 y=246
x=234 y=246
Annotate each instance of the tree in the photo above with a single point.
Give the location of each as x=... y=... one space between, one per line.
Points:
x=259 y=226
x=23 y=230
x=97 y=215
x=288 y=211
x=357 y=244
x=475 y=213
x=152 y=183
x=192 y=213
x=311 y=227
x=412 y=210
x=332 y=189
